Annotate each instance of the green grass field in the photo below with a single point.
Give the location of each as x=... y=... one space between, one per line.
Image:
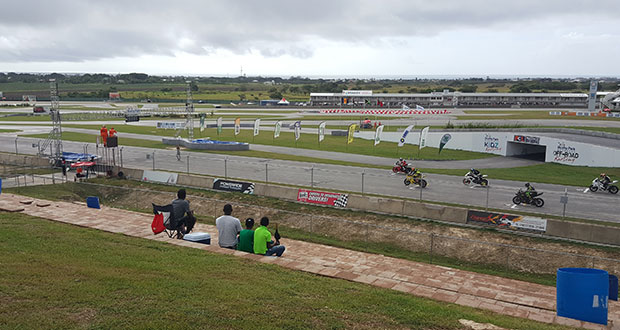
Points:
x=501 y=115
x=309 y=141
x=61 y=276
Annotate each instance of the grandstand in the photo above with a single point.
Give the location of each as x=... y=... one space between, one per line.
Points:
x=452 y=99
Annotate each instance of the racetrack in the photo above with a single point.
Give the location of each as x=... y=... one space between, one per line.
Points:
x=442 y=188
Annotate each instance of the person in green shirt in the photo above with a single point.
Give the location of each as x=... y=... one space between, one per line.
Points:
x=246 y=237
x=263 y=243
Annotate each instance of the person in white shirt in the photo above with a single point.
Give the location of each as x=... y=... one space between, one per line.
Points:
x=228 y=228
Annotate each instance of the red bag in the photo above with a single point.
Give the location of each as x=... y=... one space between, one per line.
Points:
x=158 y=224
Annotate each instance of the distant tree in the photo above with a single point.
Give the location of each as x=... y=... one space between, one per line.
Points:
x=468 y=89
x=275 y=95
x=520 y=88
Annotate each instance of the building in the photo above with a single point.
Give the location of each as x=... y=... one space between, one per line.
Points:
x=447 y=99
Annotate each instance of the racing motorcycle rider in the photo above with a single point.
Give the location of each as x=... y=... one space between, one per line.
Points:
x=474 y=173
x=401 y=162
x=529 y=192
x=415 y=173
x=604 y=179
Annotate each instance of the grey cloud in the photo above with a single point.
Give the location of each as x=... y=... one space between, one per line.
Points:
x=86 y=30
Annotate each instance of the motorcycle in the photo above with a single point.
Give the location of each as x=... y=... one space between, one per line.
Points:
x=469 y=179
x=521 y=197
x=409 y=179
x=598 y=185
x=404 y=168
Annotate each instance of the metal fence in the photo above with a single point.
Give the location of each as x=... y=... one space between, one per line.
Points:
x=370 y=233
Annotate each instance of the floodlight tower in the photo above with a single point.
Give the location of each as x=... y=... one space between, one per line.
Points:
x=56 y=133
x=189 y=110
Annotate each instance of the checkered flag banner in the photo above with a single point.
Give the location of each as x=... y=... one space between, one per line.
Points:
x=250 y=190
x=341 y=201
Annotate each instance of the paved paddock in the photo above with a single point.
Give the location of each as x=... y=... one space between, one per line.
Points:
x=500 y=295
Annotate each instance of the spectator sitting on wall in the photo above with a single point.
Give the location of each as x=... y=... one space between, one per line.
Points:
x=246 y=237
x=263 y=243
x=228 y=227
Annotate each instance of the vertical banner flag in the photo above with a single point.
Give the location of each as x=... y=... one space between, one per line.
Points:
x=444 y=139
x=351 y=132
x=256 y=127
x=297 y=130
x=419 y=107
x=321 y=131
x=219 y=126
x=406 y=107
x=202 y=122
x=237 y=126
x=401 y=142
x=276 y=131
x=424 y=137
x=378 y=133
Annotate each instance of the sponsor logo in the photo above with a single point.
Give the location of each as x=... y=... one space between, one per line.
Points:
x=565 y=153
x=527 y=139
x=491 y=143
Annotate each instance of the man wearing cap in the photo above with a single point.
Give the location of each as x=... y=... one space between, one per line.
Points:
x=246 y=237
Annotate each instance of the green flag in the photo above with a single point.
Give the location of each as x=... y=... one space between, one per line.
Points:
x=444 y=139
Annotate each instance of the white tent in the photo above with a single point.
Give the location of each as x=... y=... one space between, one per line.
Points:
x=283 y=101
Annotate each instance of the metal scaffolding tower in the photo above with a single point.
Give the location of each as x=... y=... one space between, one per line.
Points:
x=189 y=108
x=54 y=139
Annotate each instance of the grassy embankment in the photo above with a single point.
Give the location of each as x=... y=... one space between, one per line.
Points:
x=62 y=276
x=111 y=194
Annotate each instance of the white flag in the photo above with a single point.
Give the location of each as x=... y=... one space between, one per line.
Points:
x=406 y=107
x=419 y=107
x=401 y=142
x=378 y=133
x=276 y=131
x=219 y=125
x=321 y=131
x=424 y=137
x=256 y=127
x=297 y=130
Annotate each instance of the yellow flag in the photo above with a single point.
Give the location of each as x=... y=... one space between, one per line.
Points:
x=237 y=126
x=350 y=135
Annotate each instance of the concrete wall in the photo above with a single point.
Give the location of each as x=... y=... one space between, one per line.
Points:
x=496 y=142
x=584 y=231
x=194 y=180
x=24 y=160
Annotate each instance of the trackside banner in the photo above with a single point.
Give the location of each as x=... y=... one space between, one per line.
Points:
x=322 y=197
x=244 y=187
x=516 y=222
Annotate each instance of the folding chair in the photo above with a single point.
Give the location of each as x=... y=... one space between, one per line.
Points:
x=169 y=222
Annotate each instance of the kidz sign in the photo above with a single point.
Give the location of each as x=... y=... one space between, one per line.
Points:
x=491 y=143
x=565 y=153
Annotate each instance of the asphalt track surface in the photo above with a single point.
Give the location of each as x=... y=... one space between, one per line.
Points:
x=443 y=188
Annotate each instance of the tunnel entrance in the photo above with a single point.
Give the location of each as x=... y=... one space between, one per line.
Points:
x=526 y=147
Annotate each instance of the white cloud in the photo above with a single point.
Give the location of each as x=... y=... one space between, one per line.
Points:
x=313 y=37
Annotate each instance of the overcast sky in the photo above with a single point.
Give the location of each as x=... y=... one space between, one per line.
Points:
x=313 y=38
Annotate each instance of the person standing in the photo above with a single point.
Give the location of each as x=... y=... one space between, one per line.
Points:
x=263 y=244
x=104 y=135
x=246 y=237
x=178 y=153
x=228 y=227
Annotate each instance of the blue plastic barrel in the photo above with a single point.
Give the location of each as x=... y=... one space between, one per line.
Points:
x=582 y=294
x=613 y=287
